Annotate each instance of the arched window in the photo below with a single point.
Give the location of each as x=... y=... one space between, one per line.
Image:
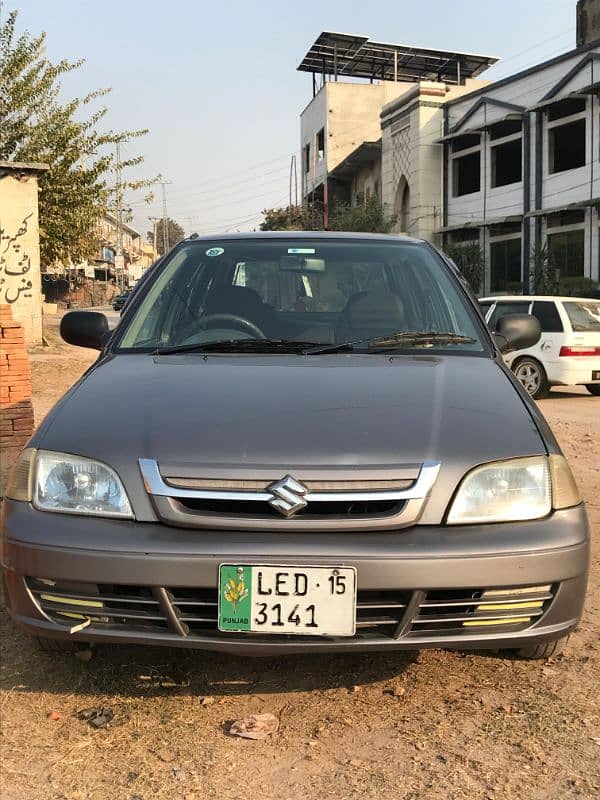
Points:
x=402 y=206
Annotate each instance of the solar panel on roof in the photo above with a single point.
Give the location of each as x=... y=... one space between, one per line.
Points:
x=350 y=55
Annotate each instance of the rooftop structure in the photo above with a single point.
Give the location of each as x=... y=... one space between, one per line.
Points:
x=345 y=55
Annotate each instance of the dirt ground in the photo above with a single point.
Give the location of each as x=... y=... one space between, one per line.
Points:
x=422 y=725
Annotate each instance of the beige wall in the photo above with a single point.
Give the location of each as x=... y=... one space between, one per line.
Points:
x=349 y=112
x=411 y=153
x=20 y=280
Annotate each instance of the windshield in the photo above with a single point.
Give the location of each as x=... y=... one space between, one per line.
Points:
x=304 y=291
x=584 y=315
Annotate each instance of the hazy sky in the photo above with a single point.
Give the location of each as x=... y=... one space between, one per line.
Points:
x=216 y=82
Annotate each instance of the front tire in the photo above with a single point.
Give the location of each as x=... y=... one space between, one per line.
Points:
x=543 y=650
x=532 y=377
x=593 y=388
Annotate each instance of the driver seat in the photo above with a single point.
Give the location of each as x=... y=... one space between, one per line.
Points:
x=243 y=302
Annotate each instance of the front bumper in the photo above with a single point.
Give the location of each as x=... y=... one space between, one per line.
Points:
x=413 y=564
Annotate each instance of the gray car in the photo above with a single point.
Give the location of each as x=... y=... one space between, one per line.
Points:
x=297 y=442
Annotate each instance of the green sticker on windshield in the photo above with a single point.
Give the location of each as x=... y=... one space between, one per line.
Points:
x=215 y=251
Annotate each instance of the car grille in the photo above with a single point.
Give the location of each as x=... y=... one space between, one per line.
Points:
x=192 y=612
x=304 y=501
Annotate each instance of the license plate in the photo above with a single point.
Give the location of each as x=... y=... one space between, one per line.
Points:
x=306 y=601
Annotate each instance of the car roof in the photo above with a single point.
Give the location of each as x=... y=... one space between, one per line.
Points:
x=512 y=298
x=296 y=235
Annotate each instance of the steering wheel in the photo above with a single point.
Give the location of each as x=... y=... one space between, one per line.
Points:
x=240 y=322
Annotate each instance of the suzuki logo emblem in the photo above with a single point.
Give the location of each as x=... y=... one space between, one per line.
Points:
x=288 y=496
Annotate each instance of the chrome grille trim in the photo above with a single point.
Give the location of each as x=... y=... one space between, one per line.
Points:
x=156 y=485
x=227 y=484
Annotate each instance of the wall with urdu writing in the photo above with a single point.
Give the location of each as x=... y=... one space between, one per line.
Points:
x=20 y=281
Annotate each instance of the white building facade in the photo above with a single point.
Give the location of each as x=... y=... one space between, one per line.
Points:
x=521 y=172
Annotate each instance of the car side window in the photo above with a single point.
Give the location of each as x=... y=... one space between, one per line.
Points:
x=512 y=307
x=548 y=316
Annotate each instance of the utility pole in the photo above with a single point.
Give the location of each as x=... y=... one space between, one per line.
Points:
x=165 y=230
x=119 y=201
x=154 y=221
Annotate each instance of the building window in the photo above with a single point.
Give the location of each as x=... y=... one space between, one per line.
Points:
x=321 y=144
x=506 y=152
x=306 y=157
x=466 y=174
x=566 y=135
x=505 y=258
x=466 y=164
x=566 y=252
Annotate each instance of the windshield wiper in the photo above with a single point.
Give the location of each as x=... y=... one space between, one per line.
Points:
x=238 y=346
x=398 y=339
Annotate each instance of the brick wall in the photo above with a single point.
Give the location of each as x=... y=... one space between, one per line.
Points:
x=16 y=411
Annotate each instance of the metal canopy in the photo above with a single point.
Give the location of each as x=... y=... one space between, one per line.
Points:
x=352 y=56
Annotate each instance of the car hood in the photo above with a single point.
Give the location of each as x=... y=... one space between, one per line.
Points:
x=193 y=413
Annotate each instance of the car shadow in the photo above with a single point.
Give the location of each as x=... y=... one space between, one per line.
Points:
x=145 y=671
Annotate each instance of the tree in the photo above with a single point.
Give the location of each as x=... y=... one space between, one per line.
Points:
x=175 y=233
x=282 y=219
x=36 y=126
x=543 y=274
x=470 y=262
x=369 y=217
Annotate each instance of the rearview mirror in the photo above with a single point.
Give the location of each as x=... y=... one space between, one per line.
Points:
x=85 y=329
x=300 y=263
x=517 y=332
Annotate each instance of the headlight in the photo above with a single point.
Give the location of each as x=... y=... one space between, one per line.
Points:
x=504 y=491
x=75 y=485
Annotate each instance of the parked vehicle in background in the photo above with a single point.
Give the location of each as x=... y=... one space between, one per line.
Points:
x=120 y=300
x=312 y=444
x=568 y=352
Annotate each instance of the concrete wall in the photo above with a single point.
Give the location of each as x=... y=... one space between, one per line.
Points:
x=412 y=125
x=20 y=281
x=588 y=21
x=349 y=112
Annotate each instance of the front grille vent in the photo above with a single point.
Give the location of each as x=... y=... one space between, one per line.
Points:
x=464 y=611
x=192 y=611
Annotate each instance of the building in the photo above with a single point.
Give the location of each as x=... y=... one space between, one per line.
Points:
x=20 y=279
x=511 y=167
x=134 y=255
x=343 y=152
x=521 y=172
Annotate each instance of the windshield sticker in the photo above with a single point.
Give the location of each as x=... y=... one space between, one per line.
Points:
x=305 y=251
x=215 y=251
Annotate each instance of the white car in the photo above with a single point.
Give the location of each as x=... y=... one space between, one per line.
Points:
x=568 y=352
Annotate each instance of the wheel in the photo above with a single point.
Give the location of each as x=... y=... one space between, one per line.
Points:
x=543 y=650
x=593 y=388
x=532 y=377
x=55 y=645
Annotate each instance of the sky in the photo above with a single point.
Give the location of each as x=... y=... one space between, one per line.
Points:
x=217 y=87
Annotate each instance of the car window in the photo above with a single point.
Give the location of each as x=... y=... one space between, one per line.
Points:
x=299 y=290
x=583 y=315
x=508 y=307
x=548 y=316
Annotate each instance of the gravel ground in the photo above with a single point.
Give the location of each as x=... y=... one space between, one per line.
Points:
x=433 y=724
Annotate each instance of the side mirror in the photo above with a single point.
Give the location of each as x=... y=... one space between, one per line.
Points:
x=85 y=329
x=516 y=332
